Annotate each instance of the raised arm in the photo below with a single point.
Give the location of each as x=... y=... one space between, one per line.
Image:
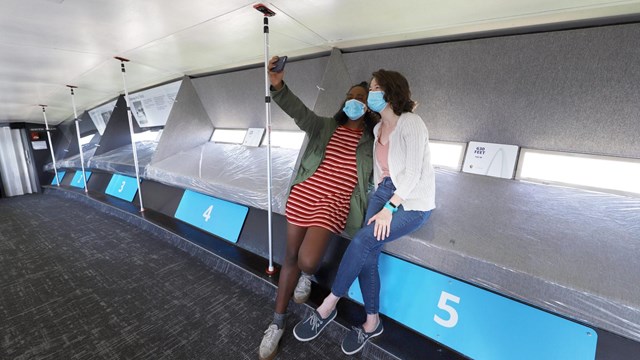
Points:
x=306 y=119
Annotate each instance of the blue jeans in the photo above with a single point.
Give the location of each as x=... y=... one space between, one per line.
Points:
x=361 y=257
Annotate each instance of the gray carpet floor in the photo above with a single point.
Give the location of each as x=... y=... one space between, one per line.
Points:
x=76 y=283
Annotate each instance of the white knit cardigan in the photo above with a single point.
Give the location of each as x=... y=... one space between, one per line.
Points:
x=410 y=163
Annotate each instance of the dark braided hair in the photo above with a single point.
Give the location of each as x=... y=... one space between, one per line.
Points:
x=370 y=118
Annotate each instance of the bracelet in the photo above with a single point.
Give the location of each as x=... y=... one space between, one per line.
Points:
x=389 y=206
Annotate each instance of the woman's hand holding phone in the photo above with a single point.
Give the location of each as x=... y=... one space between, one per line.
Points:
x=275 y=77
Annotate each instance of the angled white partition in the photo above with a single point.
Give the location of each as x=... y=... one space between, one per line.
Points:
x=188 y=159
x=152 y=108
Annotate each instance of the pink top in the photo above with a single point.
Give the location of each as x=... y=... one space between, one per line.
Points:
x=382 y=158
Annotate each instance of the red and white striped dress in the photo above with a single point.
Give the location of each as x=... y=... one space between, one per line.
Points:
x=324 y=198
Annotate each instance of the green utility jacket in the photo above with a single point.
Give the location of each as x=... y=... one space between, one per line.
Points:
x=319 y=129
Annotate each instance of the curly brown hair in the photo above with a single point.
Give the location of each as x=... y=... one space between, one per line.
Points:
x=396 y=90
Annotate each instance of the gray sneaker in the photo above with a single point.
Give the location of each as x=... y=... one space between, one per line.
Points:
x=270 y=341
x=312 y=326
x=303 y=289
x=357 y=338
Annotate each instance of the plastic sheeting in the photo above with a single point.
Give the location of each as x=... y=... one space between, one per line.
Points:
x=567 y=250
x=232 y=172
x=120 y=160
x=73 y=162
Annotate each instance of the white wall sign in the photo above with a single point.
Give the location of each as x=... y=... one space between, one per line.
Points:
x=253 y=137
x=151 y=107
x=101 y=115
x=497 y=160
x=39 y=145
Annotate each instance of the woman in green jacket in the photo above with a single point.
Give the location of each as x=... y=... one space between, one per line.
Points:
x=329 y=193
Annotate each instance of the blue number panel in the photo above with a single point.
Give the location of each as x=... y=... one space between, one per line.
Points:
x=77 y=179
x=60 y=176
x=219 y=217
x=476 y=322
x=123 y=187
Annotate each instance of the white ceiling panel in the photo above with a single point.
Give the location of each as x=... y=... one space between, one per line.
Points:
x=46 y=44
x=380 y=22
x=15 y=110
x=28 y=63
x=60 y=97
x=374 y=19
x=103 y=26
x=22 y=93
x=236 y=38
x=107 y=77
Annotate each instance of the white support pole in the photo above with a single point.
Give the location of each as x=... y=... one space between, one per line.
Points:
x=133 y=141
x=267 y=101
x=75 y=116
x=53 y=155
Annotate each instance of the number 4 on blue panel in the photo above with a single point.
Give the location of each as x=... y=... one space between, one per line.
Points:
x=207 y=213
x=216 y=216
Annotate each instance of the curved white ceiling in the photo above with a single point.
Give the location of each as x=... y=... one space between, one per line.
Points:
x=47 y=44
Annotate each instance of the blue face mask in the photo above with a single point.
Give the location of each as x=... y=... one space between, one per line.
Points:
x=354 y=109
x=376 y=101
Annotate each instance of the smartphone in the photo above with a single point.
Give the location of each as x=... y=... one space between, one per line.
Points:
x=279 y=65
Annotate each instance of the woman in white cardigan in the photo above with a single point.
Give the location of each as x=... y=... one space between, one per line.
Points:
x=402 y=203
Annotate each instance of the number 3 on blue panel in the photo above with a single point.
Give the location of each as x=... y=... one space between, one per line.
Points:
x=219 y=217
x=123 y=187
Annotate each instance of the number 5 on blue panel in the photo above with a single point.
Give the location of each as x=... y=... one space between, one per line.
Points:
x=219 y=217
x=474 y=321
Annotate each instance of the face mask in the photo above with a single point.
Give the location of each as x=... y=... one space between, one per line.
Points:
x=354 y=109
x=376 y=101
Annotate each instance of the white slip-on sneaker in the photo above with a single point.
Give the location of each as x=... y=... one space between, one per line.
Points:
x=303 y=289
x=270 y=341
